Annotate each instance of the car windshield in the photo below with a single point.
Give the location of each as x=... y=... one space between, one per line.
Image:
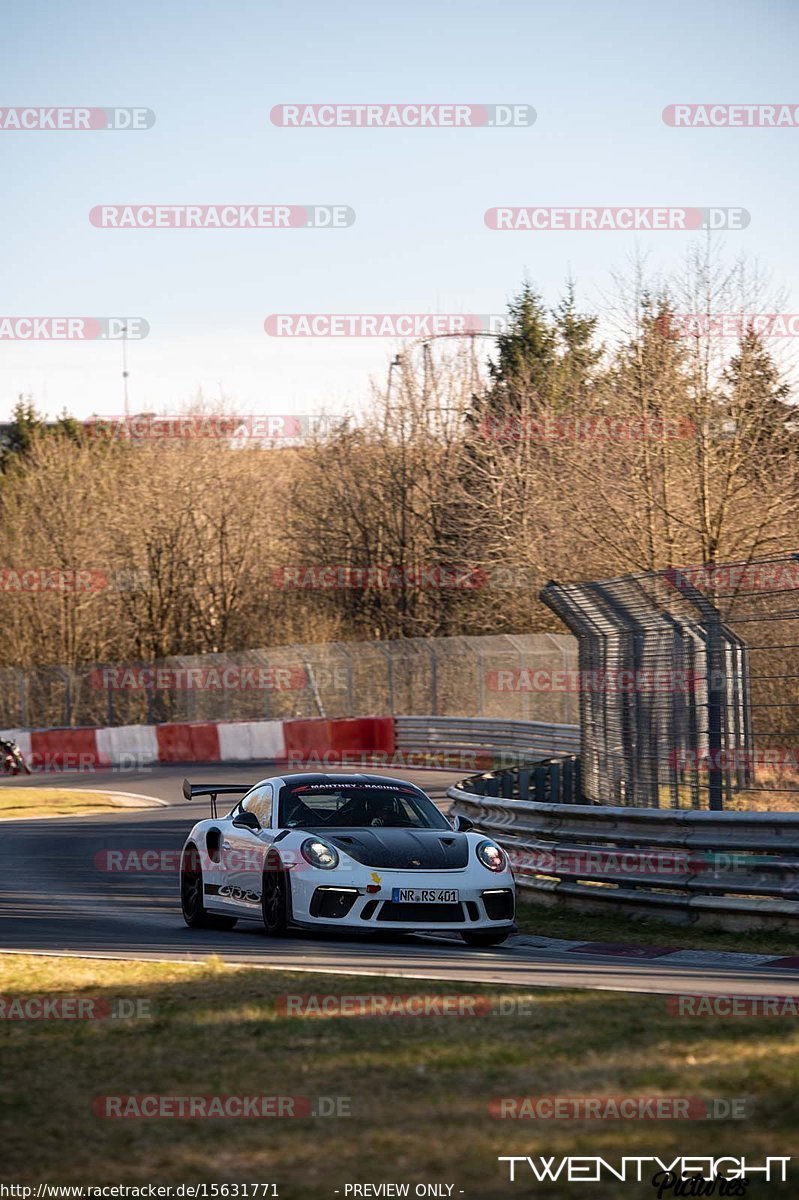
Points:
x=333 y=805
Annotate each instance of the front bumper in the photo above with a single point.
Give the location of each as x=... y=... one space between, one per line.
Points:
x=481 y=904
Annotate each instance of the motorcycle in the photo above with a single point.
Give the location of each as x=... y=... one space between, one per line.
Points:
x=12 y=760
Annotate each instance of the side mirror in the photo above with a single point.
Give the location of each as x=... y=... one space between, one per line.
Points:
x=462 y=824
x=246 y=820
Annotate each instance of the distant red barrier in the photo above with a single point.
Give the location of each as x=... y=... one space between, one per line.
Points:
x=332 y=741
x=362 y=735
x=179 y=742
x=307 y=739
x=59 y=749
x=316 y=741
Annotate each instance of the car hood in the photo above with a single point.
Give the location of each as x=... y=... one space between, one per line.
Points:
x=401 y=849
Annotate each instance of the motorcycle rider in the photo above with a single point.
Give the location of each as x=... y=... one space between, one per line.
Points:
x=12 y=758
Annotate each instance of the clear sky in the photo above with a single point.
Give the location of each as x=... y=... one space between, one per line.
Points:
x=598 y=73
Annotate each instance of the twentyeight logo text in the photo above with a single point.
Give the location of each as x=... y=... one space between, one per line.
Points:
x=585 y=1169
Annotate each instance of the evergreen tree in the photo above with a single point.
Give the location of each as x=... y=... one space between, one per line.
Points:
x=648 y=391
x=27 y=424
x=579 y=357
x=649 y=375
x=756 y=396
x=526 y=351
x=24 y=426
x=544 y=365
x=68 y=426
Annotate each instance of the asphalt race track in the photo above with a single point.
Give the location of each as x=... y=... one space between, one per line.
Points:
x=58 y=897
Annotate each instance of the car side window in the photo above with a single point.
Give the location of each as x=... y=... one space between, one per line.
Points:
x=259 y=801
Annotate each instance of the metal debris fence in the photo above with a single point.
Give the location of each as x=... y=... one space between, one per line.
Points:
x=689 y=685
x=454 y=676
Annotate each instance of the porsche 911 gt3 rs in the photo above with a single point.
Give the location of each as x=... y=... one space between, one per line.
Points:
x=356 y=851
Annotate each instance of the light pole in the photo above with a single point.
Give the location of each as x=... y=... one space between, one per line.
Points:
x=125 y=368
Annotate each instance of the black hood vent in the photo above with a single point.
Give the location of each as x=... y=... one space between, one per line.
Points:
x=402 y=849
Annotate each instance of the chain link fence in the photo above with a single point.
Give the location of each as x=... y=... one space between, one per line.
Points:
x=509 y=676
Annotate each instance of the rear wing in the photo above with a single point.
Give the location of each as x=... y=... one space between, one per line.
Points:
x=192 y=790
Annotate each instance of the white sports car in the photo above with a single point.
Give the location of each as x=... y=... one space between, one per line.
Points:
x=364 y=852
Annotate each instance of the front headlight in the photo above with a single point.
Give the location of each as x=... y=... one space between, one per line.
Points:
x=491 y=856
x=319 y=854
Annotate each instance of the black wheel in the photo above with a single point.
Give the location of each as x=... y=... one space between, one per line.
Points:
x=195 y=914
x=486 y=937
x=275 y=897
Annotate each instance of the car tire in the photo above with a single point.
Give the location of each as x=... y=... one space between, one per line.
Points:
x=195 y=914
x=275 y=897
x=486 y=937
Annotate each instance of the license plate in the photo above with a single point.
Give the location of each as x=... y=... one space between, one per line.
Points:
x=424 y=895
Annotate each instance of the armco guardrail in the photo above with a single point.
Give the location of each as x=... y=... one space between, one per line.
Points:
x=491 y=742
x=739 y=869
x=553 y=780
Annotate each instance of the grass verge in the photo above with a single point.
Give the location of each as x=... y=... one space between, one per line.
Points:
x=54 y=802
x=418 y=1089
x=596 y=927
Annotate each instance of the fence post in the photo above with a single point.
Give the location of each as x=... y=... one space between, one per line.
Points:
x=66 y=675
x=341 y=647
x=22 y=682
x=716 y=697
x=554 y=783
x=481 y=706
x=568 y=781
x=433 y=681
x=389 y=679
